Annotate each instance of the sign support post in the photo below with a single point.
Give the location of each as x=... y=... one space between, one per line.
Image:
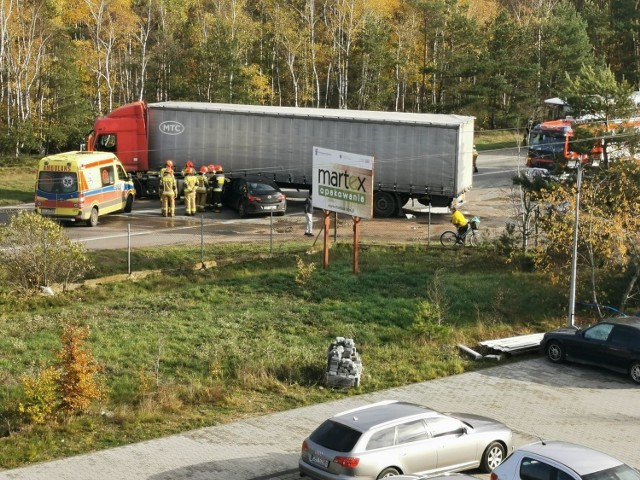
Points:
x=342 y=183
x=356 y=244
x=325 y=234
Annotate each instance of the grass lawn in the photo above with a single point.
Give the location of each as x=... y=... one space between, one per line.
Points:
x=17 y=180
x=190 y=349
x=497 y=139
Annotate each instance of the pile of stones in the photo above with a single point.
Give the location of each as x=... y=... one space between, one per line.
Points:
x=344 y=366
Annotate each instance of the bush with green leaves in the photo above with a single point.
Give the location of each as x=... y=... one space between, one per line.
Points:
x=305 y=270
x=35 y=252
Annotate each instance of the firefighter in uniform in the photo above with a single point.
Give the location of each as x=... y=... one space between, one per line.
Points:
x=211 y=177
x=188 y=166
x=168 y=192
x=167 y=164
x=201 y=189
x=190 y=186
x=218 y=185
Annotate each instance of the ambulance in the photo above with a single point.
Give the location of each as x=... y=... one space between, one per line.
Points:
x=82 y=186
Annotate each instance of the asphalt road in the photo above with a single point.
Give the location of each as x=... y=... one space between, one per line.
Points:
x=487 y=198
x=537 y=399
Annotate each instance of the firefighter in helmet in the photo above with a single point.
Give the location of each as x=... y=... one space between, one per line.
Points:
x=211 y=176
x=188 y=166
x=168 y=192
x=218 y=185
x=190 y=186
x=167 y=164
x=201 y=189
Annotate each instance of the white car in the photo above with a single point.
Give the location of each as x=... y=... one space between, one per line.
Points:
x=555 y=460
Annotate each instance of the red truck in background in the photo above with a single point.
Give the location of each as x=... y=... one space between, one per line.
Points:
x=550 y=146
x=550 y=142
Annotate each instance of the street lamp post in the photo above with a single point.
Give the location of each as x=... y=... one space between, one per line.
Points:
x=574 y=254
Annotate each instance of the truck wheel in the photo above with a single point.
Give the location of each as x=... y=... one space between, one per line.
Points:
x=385 y=205
x=129 y=205
x=93 y=218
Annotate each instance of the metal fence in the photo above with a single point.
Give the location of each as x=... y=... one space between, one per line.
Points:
x=128 y=239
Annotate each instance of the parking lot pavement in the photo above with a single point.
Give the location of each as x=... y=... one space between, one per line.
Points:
x=537 y=399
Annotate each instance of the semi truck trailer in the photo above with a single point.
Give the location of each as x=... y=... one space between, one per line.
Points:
x=422 y=156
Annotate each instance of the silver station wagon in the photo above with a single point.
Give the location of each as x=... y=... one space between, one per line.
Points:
x=392 y=438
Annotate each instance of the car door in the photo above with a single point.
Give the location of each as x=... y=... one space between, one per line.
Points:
x=622 y=344
x=591 y=344
x=239 y=193
x=457 y=449
x=415 y=448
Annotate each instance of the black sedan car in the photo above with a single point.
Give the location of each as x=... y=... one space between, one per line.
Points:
x=254 y=195
x=612 y=344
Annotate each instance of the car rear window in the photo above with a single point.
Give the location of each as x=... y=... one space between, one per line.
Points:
x=335 y=436
x=261 y=188
x=621 y=472
x=531 y=469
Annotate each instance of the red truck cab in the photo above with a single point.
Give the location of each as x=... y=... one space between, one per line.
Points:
x=123 y=132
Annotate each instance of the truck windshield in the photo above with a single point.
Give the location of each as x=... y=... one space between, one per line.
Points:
x=57 y=182
x=551 y=142
x=105 y=143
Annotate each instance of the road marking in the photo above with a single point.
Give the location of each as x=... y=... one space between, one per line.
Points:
x=137 y=233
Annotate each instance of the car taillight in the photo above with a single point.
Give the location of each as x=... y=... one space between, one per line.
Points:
x=493 y=476
x=251 y=198
x=305 y=447
x=347 y=462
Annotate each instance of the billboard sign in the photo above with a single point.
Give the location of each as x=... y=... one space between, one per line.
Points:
x=343 y=182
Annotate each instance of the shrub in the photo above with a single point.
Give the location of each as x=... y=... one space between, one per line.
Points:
x=41 y=395
x=34 y=252
x=429 y=319
x=78 y=383
x=304 y=271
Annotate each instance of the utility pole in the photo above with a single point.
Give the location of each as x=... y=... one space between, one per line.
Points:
x=574 y=255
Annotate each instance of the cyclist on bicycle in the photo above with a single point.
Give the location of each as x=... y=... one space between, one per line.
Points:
x=459 y=221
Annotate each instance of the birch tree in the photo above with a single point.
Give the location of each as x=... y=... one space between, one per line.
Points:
x=26 y=29
x=104 y=27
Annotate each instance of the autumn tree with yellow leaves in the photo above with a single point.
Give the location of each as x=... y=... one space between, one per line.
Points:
x=609 y=231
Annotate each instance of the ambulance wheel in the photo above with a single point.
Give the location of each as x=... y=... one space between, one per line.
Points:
x=93 y=218
x=129 y=205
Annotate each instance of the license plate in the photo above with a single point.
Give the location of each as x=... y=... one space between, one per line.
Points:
x=47 y=211
x=269 y=207
x=319 y=461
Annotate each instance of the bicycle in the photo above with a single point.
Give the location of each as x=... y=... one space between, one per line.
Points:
x=471 y=237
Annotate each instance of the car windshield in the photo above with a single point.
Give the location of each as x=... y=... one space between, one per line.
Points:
x=335 y=436
x=256 y=188
x=621 y=472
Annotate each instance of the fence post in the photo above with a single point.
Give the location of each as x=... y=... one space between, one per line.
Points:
x=46 y=281
x=202 y=240
x=128 y=249
x=270 y=233
x=429 y=227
